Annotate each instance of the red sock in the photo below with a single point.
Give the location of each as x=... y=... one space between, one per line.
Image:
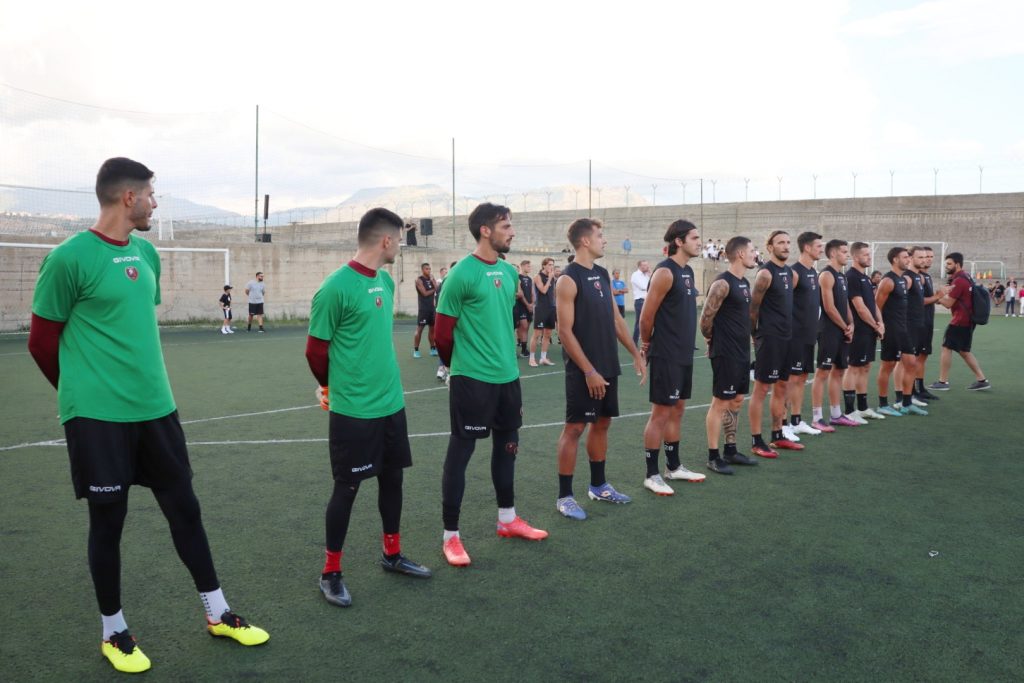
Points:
x=392 y=544
x=332 y=563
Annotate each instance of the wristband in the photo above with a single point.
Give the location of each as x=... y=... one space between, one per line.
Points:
x=592 y=372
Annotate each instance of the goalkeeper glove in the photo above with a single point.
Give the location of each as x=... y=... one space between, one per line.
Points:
x=323 y=396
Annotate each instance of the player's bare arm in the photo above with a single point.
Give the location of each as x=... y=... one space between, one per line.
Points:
x=882 y=295
x=658 y=287
x=712 y=303
x=420 y=288
x=541 y=286
x=625 y=337
x=565 y=295
x=761 y=284
x=828 y=302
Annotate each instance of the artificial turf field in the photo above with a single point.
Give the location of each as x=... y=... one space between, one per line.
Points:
x=813 y=566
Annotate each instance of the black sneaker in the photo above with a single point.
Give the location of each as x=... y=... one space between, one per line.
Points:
x=739 y=459
x=334 y=589
x=939 y=386
x=926 y=396
x=719 y=465
x=401 y=564
x=980 y=385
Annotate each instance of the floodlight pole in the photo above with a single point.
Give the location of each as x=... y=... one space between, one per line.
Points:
x=256 y=210
x=453 y=193
x=590 y=186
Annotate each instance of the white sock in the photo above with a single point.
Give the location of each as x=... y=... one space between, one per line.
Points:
x=836 y=412
x=506 y=515
x=214 y=604
x=543 y=355
x=816 y=414
x=450 y=534
x=115 y=623
x=533 y=356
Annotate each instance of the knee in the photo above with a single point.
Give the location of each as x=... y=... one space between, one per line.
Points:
x=507 y=442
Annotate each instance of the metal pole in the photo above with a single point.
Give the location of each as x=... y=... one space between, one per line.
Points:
x=654 y=195
x=590 y=186
x=854 y=184
x=453 y=193
x=981 y=171
x=892 y=175
x=256 y=211
x=936 y=187
x=702 y=211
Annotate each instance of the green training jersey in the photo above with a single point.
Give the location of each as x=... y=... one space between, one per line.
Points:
x=111 y=363
x=481 y=296
x=355 y=313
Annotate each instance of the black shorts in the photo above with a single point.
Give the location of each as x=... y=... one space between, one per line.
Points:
x=622 y=309
x=833 y=349
x=771 y=359
x=521 y=312
x=544 y=321
x=895 y=343
x=801 y=357
x=958 y=338
x=478 y=407
x=227 y=313
x=669 y=381
x=862 y=348
x=580 y=407
x=362 y=448
x=108 y=457
x=425 y=316
x=255 y=309
x=924 y=341
x=731 y=377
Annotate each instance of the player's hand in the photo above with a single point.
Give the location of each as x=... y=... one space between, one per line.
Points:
x=881 y=330
x=641 y=367
x=596 y=385
x=323 y=396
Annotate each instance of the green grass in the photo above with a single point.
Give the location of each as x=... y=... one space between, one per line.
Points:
x=814 y=566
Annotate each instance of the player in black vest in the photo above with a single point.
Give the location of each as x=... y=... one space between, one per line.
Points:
x=835 y=332
x=522 y=311
x=668 y=327
x=897 y=345
x=915 y=323
x=588 y=327
x=725 y=324
x=867 y=329
x=921 y=261
x=806 y=310
x=771 y=319
x=225 y=309
x=543 y=311
x=426 y=288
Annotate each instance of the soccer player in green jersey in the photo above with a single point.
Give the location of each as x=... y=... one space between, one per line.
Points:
x=94 y=335
x=352 y=356
x=475 y=340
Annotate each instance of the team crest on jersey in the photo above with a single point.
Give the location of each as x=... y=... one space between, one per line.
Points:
x=497 y=282
x=132 y=272
x=379 y=302
x=686 y=282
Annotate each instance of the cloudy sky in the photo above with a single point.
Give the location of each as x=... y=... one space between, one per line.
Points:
x=356 y=95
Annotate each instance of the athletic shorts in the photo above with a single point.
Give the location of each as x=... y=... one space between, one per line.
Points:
x=731 y=377
x=227 y=313
x=669 y=382
x=547 y=322
x=580 y=407
x=362 y=448
x=425 y=317
x=958 y=338
x=895 y=343
x=771 y=359
x=521 y=312
x=801 y=357
x=862 y=348
x=924 y=341
x=108 y=457
x=255 y=309
x=478 y=407
x=833 y=349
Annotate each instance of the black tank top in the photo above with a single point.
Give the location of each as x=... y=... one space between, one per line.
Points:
x=929 y=291
x=526 y=284
x=894 y=313
x=806 y=304
x=915 y=300
x=730 y=335
x=545 y=301
x=675 y=323
x=841 y=298
x=860 y=286
x=594 y=322
x=775 y=317
x=427 y=300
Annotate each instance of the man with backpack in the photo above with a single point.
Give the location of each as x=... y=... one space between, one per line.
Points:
x=969 y=308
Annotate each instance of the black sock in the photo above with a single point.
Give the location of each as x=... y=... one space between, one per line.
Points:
x=848 y=399
x=919 y=386
x=883 y=401
x=672 y=455
x=564 y=485
x=899 y=397
x=713 y=454
x=862 y=401
x=730 y=449
x=908 y=400
x=776 y=435
x=652 y=461
x=415 y=348
x=757 y=440
x=794 y=420
x=248 y=327
x=597 y=477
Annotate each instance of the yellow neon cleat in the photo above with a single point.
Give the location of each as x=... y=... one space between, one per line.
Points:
x=233 y=626
x=123 y=654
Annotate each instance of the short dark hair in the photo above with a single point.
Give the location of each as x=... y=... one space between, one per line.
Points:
x=677 y=230
x=927 y=248
x=580 y=228
x=486 y=214
x=876 y=272
x=117 y=173
x=525 y=262
x=894 y=252
x=858 y=247
x=734 y=245
x=772 y=235
x=956 y=257
x=570 y=258
x=915 y=249
x=833 y=246
x=375 y=221
x=424 y=265
x=806 y=238
x=453 y=264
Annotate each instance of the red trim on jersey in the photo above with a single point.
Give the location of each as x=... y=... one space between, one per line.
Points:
x=444 y=336
x=361 y=269
x=44 y=345
x=317 y=357
x=490 y=263
x=109 y=240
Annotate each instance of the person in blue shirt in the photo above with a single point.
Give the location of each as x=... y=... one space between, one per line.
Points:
x=627 y=246
x=619 y=289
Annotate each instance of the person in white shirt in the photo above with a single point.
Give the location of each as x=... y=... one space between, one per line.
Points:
x=639 y=281
x=1010 y=297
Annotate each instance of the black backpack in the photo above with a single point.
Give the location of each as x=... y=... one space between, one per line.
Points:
x=982 y=302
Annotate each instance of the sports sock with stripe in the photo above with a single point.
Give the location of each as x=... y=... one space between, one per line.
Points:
x=672 y=455
x=214 y=604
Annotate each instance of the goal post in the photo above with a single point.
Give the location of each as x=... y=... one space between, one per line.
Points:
x=879 y=260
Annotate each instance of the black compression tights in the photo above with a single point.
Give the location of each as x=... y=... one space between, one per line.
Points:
x=505 y=446
x=106 y=522
x=339 y=507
